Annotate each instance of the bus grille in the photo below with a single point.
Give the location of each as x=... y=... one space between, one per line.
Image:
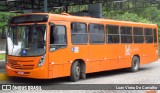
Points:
x=20 y=64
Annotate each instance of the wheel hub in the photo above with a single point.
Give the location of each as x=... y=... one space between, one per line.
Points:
x=135 y=64
x=77 y=71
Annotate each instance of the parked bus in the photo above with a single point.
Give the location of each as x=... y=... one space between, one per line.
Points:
x=45 y=46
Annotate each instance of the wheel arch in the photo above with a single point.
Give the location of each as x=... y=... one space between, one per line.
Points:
x=137 y=56
x=135 y=63
x=82 y=64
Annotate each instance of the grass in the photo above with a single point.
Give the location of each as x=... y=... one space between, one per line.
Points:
x=2 y=56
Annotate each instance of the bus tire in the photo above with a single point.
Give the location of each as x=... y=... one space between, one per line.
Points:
x=75 y=71
x=83 y=75
x=135 y=64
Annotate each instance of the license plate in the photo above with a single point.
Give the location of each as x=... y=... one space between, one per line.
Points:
x=21 y=73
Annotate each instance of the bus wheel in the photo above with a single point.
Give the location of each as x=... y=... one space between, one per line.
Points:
x=83 y=76
x=75 y=71
x=135 y=64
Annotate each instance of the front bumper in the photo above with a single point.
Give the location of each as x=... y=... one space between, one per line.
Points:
x=37 y=73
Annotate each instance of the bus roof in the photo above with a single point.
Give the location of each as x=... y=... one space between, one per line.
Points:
x=71 y=18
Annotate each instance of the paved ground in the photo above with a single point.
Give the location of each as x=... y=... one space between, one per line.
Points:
x=148 y=74
x=2 y=67
x=2 y=45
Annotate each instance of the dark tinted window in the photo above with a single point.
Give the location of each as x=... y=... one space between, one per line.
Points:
x=138 y=35
x=112 y=34
x=29 y=18
x=148 y=35
x=155 y=36
x=79 y=33
x=126 y=34
x=57 y=37
x=96 y=33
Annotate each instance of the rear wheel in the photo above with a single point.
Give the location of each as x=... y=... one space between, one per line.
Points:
x=83 y=75
x=75 y=71
x=135 y=64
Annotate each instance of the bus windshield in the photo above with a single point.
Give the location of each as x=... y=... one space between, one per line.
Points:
x=26 y=40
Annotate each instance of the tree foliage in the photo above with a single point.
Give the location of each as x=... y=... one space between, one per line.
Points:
x=130 y=17
x=4 y=17
x=148 y=15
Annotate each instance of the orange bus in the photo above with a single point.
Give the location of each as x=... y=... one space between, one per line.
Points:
x=45 y=46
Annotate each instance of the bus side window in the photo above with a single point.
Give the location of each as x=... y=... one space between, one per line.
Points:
x=126 y=34
x=79 y=33
x=112 y=34
x=155 y=36
x=148 y=35
x=58 y=37
x=138 y=35
x=96 y=33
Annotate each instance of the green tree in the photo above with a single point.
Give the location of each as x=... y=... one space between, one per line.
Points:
x=4 y=18
x=152 y=14
x=129 y=17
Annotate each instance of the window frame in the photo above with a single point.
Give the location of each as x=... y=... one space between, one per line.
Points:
x=81 y=33
x=46 y=44
x=103 y=34
x=106 y=34
x=126 y=26
x=148 y=35
x=138 y=35
x=155 y=30
x=65 y=33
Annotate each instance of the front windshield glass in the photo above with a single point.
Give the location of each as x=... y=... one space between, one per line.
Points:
x=26 y=40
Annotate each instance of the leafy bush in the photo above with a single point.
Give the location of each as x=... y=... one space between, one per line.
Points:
x=126 y=16
x=4 y=18
x=131 y=17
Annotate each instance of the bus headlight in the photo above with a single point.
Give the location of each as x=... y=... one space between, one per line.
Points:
x=41 y=61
